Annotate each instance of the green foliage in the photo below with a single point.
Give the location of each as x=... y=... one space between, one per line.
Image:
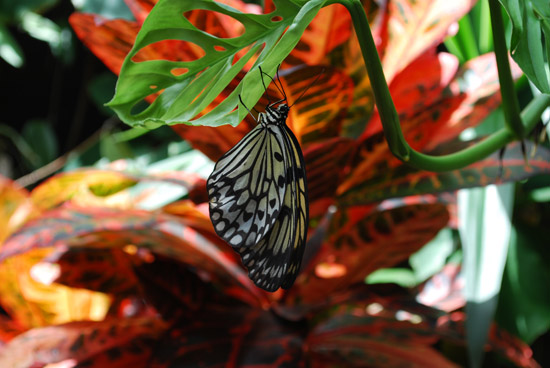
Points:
x=524 y=303
x=107 y=8
x=40 y=136
x=26 y=14
x=183 y=97
x=530 y=20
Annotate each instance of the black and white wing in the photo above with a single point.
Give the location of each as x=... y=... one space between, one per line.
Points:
x=247 y=187
x=275 y=260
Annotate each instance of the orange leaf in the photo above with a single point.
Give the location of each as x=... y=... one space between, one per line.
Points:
x=330 y=28
x=360 y=242
x=415 y=26
x=86 y=188
x=34 y=303
x=15 y=205
x=109 y=40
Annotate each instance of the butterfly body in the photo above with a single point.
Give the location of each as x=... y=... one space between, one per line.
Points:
x=258 y=200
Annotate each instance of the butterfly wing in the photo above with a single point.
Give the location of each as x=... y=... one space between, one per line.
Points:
x=275 y=260
x=247 y=187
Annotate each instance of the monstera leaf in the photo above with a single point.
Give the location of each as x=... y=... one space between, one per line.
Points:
x=184 y=88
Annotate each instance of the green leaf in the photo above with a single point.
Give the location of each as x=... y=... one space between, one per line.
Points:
x=9 y=48
x=40 y=136
x=269 y=37
x=529 y=19
x=11 y=10
x=400 y=276
x=113 y=149
x=432 y=257
x=106 y=8
x=524 y=303
x=100 y=89
x=484 y=227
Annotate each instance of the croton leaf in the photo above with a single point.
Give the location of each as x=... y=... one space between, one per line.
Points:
x=185 y=88
x=140 y=8
x=384 y=329
x=400 y=334
x=161 y=233
x=330 y=28
x=415 y=26
x=236 y=337
x=105 y=270
x=405 y=180
x=27 y=295
x=110 y=343
x=109 y=39
x=464 y=102
x=8 y=330
x=323 y=163
x=15 y=207
x=86 y=187
x=360 y=242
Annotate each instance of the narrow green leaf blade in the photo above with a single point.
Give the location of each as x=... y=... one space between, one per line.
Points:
x=528 y=23
x=484 y=227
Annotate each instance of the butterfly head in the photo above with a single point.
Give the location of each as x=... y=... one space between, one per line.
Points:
x=283 y=110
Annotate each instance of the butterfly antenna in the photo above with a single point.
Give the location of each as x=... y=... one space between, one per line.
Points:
x=263 y=83
x=247 y=109
x=281 y=89
x=305 y=90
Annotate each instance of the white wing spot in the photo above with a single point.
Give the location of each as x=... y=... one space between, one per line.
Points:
x=236 y=240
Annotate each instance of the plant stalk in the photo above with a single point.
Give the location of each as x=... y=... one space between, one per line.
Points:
x=510 y=104
x=388 y=114
x=517 y=124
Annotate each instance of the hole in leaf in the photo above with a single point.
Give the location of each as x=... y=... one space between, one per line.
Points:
x=219 y=48
x=179 y=71
x=152 y=86
x=214 y=23
x=241 y=53
x=276 y=18
x=171 y=50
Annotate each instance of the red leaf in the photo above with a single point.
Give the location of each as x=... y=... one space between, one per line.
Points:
x=330 y=28
x=415 y=26
x=383 y=331
x=231 y=337
x=324 y=162
x=105 y=270
x=360 y=242
x=109 y=40
x=174 y=237
x=140 y=8
x=405 y=180
x=112 y=343
x=8 y=330
x=478 y=81
x=452 y=328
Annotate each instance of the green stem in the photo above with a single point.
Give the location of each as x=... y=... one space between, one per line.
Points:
x=510 y=104
x=478 y=151
x=390 y=120
x=388 y=115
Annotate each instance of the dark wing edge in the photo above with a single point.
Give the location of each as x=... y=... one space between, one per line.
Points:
x=275 y=261
x=302 y=209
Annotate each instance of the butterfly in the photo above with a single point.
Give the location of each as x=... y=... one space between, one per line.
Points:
x=258 y=197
